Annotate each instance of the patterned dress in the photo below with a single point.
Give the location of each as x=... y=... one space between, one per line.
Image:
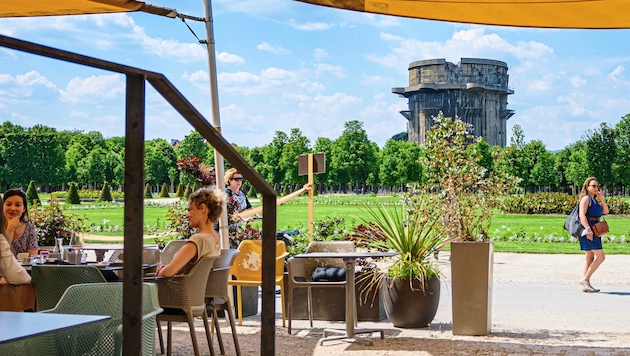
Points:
x=28 y=240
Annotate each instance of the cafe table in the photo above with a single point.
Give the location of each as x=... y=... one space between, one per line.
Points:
x=349 y=334
x=20 y=325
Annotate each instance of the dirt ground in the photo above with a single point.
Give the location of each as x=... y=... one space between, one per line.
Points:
x=516 y=330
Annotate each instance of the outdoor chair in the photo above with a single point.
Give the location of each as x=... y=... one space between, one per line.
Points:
x=217 y=297
x=97 y=339
x=301 y=272
x=183 y=298
x=150 y=256
x=247 y=269
x=51 y=281
x=170 y=250
x=17 y=297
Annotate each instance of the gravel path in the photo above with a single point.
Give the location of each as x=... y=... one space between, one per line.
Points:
x=538 y=309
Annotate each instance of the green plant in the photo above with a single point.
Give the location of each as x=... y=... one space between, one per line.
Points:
x=147 y=192
x=411 y=230
x=178 y=221
x=31 y=194
x=187 y=191
x=180 y=191
x=73 y=195
x=106 y=194
x=467 y=191
x=164 y=191
x=52 y=222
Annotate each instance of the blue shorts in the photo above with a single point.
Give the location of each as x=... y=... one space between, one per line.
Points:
x=587 y=245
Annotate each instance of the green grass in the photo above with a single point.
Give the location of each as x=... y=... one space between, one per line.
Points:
x=294 y=215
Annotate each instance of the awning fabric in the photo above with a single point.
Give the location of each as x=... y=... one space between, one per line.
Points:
x=24 y=8
x=589 y=14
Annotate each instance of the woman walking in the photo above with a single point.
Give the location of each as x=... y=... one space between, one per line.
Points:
x=592 y=207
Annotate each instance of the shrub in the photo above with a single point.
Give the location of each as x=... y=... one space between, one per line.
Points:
x=180 y=191
x=252 y=193
x=73 y=195
x=147 y=192
x=51 y=222
x=31 y=194
x=164 y=191
x=106 y=194
x=187 y=192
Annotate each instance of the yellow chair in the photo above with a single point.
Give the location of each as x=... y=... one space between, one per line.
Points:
x=247 y=269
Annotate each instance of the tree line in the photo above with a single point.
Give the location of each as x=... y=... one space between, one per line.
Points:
x=54 y=158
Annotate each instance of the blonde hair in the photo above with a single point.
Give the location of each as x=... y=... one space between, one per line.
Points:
x=229 y=174
x=212 y=197
x=587 y=182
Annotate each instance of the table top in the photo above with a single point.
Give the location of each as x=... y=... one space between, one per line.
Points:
x=19 y=325
x=357 y=254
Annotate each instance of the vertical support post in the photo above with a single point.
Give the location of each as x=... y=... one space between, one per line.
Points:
x=134 y=214
x=268 y=315
x=310 y=197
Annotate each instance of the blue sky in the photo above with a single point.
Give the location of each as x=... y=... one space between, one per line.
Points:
x=283 y=64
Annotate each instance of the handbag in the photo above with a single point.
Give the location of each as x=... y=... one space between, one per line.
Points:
x=600 y=228
x=573 y=224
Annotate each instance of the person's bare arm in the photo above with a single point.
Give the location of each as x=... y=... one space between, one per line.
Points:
x=185 y=255
x=584 y=202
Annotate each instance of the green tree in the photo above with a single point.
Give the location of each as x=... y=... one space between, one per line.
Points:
x=621 y=168
x=577 y=169
x=192 y=145
x=31 y=194
x=296 y=145
x=73 y=195
x=354 y=156
x=601 y=153
x=33 y=156
x=400 y=163
x=74 y=155
x=106 y=194
x=180 y=191
x=324 y=145
x=147 y=192
x=187 y=191
x=164 y=191
x=159 y=158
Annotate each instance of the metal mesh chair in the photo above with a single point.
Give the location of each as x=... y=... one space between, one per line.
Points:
x=183 y=298
x=301 y=270
x=217 y=297
x=51 y=281
x=247 y=269
x=14 y=297
x=98 y=339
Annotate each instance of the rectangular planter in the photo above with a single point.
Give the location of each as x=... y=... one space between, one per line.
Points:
x=330 y=304
x=471 y=273
x=250 y=301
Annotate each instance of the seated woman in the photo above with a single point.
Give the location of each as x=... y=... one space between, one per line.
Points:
x=10 y=270
x=20 y=232
x=204 y=208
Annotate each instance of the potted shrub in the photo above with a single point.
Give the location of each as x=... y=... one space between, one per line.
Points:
x=410 y=286
x=468 y=189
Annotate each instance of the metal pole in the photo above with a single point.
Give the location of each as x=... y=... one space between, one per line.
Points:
x=216 y=119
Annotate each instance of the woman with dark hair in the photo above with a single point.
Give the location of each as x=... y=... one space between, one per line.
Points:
x=10 y=270
x=19 y=231
x=592 y=207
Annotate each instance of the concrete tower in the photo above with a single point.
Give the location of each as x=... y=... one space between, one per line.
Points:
x=475 y=90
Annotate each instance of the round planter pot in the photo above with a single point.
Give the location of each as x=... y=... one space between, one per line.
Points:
x=407 y=307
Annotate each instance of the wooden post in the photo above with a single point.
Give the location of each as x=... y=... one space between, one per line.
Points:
x=310 y=197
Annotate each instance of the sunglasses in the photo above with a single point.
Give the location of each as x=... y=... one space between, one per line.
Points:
x=594 y=185
x=240 y=179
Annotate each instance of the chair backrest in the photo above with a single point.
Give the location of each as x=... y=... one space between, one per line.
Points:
x=51 y=281
x=103 y=338
x=17 y=297
x=248 y=263
x=150 y=255
x=218 y=279
x=186 y=290
x=170 y=250
x=326 y=246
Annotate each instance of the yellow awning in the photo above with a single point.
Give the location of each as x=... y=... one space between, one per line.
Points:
x=593 y=14
x=23 y=8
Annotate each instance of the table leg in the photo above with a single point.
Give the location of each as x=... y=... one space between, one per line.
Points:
x=100 y=255
x=350 y=308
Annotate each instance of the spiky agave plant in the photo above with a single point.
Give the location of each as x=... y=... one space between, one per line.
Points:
x=410 y=230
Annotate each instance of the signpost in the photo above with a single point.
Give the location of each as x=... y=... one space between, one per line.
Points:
x=310 y=164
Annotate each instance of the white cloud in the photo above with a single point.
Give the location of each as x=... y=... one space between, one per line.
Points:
x=311 y=26
x=265 y=46
x=378 y=80
x=323 y=68
x=617 y=74
x=577 y=81
x=225 y=57
x=320 y=54
x=76 y=113
x=93 y=88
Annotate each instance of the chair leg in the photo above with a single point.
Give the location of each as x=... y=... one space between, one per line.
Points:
x=233 y=326
x=206 y=326
x=282 y=300
x=309 y=304
x=215 y=325
x=169 y=337
x=193 y=335
x=159 y=330
x=290 y=307
x=239 y=305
